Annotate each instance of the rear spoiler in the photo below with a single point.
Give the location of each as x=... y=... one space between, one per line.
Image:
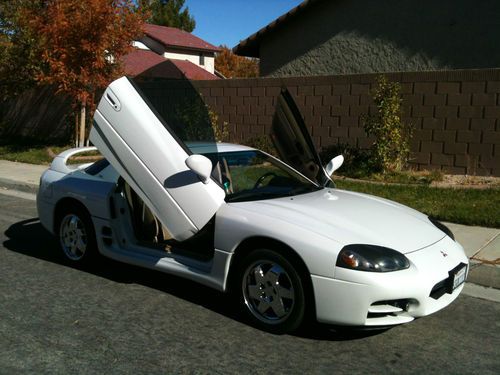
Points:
x=59 y=164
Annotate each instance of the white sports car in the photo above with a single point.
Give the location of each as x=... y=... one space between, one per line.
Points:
x=275 y=233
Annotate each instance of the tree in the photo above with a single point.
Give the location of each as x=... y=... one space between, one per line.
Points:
x=19 y=49
x=169 y=13
x=82 y=43
x=234 y=66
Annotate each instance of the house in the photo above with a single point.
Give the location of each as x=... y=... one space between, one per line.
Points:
x=168 y=52
x=328 y=37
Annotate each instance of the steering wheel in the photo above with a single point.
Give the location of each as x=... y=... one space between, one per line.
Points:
x=262 y=178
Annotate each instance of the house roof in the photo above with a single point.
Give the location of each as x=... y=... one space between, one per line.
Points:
x=251 y=46
x=193 y=71
x=172 y=37
x=150 y=64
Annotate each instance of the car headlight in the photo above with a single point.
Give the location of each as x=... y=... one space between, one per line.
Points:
x=442 y=227
x=371 y=258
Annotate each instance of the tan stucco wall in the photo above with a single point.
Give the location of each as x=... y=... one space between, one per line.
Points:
x=366 y=36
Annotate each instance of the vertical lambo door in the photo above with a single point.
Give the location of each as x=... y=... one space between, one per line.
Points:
x=151 y=158
x=292 y=140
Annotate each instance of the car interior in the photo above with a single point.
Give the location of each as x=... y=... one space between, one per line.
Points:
x=149 y=231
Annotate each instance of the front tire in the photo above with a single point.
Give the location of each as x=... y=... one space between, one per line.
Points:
x=271 y=292
x=76 y=235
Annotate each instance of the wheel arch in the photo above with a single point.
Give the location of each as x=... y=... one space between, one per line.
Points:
x=61 y=205
x=259 y=242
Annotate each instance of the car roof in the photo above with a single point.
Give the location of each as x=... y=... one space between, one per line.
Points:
x=207 y=147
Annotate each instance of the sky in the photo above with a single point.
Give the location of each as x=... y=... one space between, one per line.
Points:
x=229 y=21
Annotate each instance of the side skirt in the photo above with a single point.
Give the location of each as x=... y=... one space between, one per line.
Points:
x=212 y=273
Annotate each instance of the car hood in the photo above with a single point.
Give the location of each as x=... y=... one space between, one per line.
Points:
x=347 y=217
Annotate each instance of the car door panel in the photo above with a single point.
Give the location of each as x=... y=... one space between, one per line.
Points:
x=153 y=161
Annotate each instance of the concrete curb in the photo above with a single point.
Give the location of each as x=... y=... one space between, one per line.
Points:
x=484 y=274
x=20 y=186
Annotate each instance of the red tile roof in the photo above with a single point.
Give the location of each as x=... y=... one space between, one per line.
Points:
x=138 y=61
x=193 y=71
x=150 y=64
x=172 y=37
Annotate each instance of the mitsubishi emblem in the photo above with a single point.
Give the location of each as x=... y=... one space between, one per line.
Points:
x=443 y=253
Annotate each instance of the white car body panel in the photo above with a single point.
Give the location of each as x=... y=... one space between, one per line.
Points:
x=63 y=181
x=348 y=217
x=152 y=161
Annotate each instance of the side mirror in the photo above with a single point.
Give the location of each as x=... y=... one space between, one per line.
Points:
x=334 y=164
x=201 y=165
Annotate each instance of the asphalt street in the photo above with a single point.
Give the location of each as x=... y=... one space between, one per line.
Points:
x=114 y=318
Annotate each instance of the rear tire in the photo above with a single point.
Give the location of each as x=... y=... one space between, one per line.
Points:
x=76 y=235
x=270 y=291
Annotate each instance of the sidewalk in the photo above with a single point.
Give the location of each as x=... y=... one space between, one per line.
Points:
x=20 y=176
x=482 y=245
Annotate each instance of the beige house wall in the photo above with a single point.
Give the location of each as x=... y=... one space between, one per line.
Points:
x=194 y=58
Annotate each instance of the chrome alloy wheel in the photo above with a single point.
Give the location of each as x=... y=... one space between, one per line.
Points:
x=268 y=292
x=73 y=237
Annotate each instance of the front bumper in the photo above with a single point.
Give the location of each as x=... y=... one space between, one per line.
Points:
x=380 y=299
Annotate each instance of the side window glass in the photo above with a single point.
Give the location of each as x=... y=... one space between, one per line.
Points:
x=180 y=108
x=252 y=171
x=248 y=170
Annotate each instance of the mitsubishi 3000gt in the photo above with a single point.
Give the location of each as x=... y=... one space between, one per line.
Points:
x=271 y=230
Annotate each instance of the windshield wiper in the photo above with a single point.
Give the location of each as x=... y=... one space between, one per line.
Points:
x=256 y=195
x=304 y=190
x=252 y=195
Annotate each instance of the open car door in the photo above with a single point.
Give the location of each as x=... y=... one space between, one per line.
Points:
x=292 y=140
x=152 y=159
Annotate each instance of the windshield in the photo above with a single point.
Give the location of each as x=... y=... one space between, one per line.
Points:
x=253 y=175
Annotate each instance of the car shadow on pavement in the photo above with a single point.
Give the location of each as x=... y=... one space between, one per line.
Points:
x=29 y=238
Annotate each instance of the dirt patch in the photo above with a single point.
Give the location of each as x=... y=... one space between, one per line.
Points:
x=469 y=182
x=446 y=181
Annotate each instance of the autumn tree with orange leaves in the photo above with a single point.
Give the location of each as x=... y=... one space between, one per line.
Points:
x=234 y=66
x=82 y=43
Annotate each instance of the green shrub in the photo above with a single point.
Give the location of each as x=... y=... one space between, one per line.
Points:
x=263 y=143
x=357 y=163
x=193 y=120
x=391 y=149
x=221 y=132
